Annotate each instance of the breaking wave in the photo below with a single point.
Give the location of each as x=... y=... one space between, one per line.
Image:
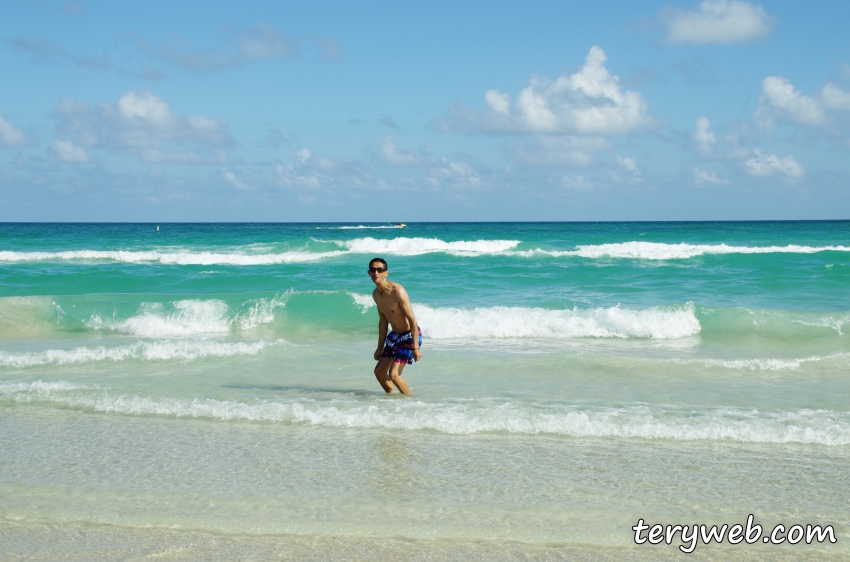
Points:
x=660 y=251
x=518 y=322
x=411 y=247
x=760 y=364
x=171 y=258
x=190 y=317
x=416 y=246
x=186 y=350
x=464 y=417
x=362 y=227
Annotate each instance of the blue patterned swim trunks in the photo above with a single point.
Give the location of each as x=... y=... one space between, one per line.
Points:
x=400 y=346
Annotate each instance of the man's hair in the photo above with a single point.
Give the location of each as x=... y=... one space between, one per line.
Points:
x=382 y=260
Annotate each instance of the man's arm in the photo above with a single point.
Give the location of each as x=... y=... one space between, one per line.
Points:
x=407 y=310
x=382 y=334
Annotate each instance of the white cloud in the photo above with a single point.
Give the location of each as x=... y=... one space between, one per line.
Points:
x=630 y=165
x=458 y=174
x=589 y=102
x=141 y=123
x=231 y=178
x=303 y=155
x=771 y=164
x=389 y=153
x=564 y=151
x=9 y=135
x=67 y=151
x=707 y=176
x=718 y=21
x=498 y=102
x=779 y=97
x=577 y=183
x=834 y=97
x=704 y=137
x=781 y=100
x=313 y=171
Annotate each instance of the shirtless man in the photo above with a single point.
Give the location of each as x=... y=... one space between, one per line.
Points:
x=398 y=348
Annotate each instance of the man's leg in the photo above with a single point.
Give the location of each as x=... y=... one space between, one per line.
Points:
x=382 y=373
x=395 y=376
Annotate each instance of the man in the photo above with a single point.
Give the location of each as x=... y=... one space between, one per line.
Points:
x=398 y=348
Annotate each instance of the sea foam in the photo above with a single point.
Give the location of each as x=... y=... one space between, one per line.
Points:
x=190 y=317
x=185 y=350
x=519 y=322
x=417 y=246
x=446 y=323
x=465 y=417
x=173 y=257
x=660 y=251
x=411 y=247
x=362 y=227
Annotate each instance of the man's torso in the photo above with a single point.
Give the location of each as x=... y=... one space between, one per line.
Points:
x=389 y=304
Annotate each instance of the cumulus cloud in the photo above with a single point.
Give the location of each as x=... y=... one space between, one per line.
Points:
x=771 y=164
x=630 y=166
x=315 y=172
x=576 y=183
x=391 y=154
x=436 y=171
x=569 y=151
x=9 y=135
x=706 y=176
x=139 y=122
x=717 y=21
x=781 y=100
x=67 y=151
x=231 y=178
x=833 y=97
x=257 y=42
x=704 y=138
x=589 y=102
x=457 y=174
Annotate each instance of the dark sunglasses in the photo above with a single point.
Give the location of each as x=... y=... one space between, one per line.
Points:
x=377 y=269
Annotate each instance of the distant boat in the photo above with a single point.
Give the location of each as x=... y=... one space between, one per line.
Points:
x=401 y=225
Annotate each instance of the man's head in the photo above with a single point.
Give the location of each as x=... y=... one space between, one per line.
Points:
x=378 y=269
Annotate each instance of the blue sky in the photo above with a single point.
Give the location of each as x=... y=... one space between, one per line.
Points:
x=341 y=111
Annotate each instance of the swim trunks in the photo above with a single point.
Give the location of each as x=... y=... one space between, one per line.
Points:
x=400 y=346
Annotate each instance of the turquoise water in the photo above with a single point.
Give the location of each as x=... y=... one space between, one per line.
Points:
x=208 y=388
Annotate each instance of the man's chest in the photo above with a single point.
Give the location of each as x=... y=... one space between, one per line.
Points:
x=388 y=304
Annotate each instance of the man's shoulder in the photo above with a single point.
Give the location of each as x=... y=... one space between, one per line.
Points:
x=399 y=289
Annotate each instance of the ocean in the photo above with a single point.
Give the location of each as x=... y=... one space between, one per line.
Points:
x=205 y=391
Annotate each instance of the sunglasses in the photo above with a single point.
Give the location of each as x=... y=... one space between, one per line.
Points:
x=377 y=269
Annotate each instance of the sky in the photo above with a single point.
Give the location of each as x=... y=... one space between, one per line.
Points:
x=438 y=111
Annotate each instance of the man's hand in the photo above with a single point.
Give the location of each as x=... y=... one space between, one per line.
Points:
x=417 y=355
x=378 y=353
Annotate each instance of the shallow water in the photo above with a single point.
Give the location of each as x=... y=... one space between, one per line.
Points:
x=208 y=389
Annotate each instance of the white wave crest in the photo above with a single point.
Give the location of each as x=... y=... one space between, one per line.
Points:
x=479 y=416
x=172 y=258
x=517 y=322
x=751 y=364
x=365 y=302
x=190 y=317
x=38 y=387
x=185 y=350
x=362 y=227
x=417 y=246
x=660 y=251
